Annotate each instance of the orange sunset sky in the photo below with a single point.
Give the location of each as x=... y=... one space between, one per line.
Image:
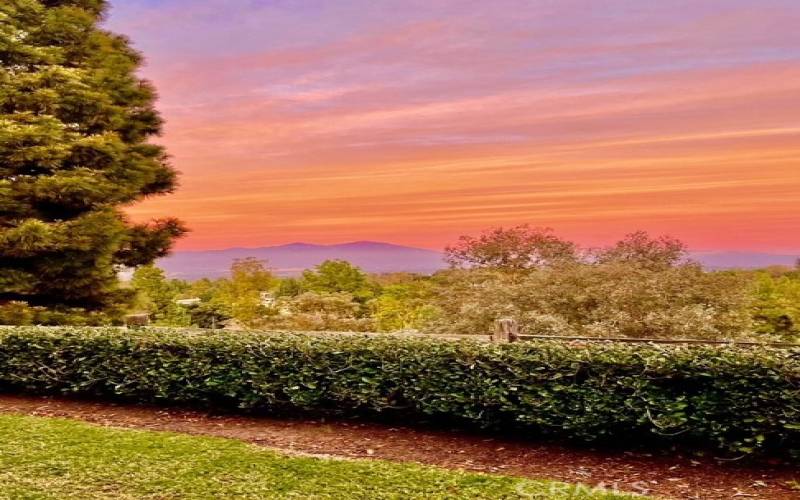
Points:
x=413 y=122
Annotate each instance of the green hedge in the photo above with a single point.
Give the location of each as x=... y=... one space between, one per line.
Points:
x=739 y=400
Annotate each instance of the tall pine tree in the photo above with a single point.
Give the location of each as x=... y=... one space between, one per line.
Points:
x=74 y=127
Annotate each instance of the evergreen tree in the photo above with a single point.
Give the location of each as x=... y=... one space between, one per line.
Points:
x=74 y=127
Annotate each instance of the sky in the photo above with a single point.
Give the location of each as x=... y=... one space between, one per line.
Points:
x=414 y=122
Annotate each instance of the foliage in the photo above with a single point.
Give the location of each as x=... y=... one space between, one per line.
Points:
x=339 y=276
x=208 y=315
x=639 y=287
x=776 y=310
x=250 y=274
x=156 y=295
x=242 y=293
x=289 y=287
x=638 y=249
x=321 y=311
x=57 y=458
x=515 y=249
x=22 y=313
x=213 y=310
x=405 y=305
x=740 y=400
x=238 y=297
x=74 y=127
x=255 y=298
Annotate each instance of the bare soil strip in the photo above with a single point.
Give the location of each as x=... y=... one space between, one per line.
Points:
x=661 y=476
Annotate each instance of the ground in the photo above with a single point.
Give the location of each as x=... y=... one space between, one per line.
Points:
x=45 y=457
x=674 y=476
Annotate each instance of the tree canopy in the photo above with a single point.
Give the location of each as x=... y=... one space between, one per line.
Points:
x=638 y=287
x=335 y=276
x=514 y=249
x=75 y=124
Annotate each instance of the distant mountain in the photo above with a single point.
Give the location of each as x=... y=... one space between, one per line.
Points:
x=743 y=260
x=377 y=257
x=292 y=259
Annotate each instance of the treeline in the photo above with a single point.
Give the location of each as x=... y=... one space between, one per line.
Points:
x=335 y=295
x=638 y=287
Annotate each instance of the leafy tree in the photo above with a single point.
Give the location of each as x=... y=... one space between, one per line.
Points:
x=289 y=287
x=154 y=290
x=251 y=274
x=212 y=311
x=638 y=287
x=157 y=295
x=326 y=311
x=776 y=308
x=405 y=306
x=74 y=127
x=639 y=249
x=515 y=249
x=242 y=293
x=339 y=276
x=207 y=315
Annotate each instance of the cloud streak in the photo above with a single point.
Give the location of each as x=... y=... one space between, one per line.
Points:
x=415 y=122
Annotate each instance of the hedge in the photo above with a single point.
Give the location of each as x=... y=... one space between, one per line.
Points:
x=739 y=401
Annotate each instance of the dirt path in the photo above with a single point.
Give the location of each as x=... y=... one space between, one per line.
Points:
x=670 y=477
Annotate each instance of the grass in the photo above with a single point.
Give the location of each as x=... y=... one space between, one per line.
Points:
x=58 y=458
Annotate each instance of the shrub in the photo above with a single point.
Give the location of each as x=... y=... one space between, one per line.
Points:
x=740 y=400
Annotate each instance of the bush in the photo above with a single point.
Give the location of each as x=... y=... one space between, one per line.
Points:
x=740 y=400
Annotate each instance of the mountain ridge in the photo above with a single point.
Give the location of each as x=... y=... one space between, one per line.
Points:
x=381 y=257
x=292 y=258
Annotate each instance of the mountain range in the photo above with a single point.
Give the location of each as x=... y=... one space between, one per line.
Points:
x=377 y=257
x=743 y=260
x=292 y=259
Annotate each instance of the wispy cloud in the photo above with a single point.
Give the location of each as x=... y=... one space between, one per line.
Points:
x=416 y=121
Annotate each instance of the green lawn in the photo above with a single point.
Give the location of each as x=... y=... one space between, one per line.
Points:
x=56 y=458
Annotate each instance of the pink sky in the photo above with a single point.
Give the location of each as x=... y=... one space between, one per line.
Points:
x=414 y=122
